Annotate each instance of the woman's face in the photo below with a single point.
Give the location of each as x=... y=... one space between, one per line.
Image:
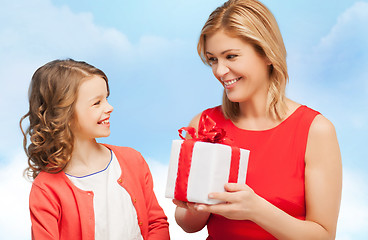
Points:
x=240 y=69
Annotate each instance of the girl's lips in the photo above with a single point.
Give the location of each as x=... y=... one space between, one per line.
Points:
x=104 y=121
x=229 y=83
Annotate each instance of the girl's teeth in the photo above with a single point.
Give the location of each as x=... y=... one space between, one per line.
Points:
x=105 y=122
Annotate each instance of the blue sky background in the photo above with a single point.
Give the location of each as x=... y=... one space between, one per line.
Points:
x=158 y=83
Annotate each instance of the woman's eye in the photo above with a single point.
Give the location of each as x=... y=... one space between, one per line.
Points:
x=96 y=103
x=212 y=60
x=231 y=56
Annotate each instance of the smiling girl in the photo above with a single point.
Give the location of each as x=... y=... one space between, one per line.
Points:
x=83 y=189
x=294 y=178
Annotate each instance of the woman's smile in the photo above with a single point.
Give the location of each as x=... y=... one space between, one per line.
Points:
x=231 y=83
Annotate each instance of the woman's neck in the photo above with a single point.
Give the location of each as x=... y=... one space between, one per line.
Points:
x=254 y=115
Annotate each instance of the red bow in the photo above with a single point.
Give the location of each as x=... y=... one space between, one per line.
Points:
x=207 y=132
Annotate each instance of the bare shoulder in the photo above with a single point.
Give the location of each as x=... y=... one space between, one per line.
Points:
x=195 y=121
x=321 y=126
x=322 y=143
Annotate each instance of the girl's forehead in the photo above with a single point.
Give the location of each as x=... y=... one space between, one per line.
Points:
x=91 y=87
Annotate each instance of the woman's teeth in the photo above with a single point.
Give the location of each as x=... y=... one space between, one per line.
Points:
x=228 y=83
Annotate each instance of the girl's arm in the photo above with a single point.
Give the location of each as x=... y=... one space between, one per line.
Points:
x=44 y=215
x=158 y=227
x=323 y=183
x=188 y=218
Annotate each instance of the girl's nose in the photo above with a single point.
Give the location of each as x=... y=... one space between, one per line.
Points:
x=109 y=108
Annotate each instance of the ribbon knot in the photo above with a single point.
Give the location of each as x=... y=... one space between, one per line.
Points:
x=207 y=132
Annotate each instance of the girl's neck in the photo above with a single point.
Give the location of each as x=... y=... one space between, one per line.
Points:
x=88 y=157
x=83 y=149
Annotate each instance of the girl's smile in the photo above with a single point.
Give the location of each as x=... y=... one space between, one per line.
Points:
x=105 y=121
x=92 y=110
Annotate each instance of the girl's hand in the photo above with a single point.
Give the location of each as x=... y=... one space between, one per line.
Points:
x=188 y=218
x=240 y=202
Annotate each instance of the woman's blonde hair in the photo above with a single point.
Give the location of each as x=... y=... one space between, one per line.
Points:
x=253 y=22
x=52 y=96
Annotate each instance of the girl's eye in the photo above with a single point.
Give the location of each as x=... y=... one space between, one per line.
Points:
x=96 y=103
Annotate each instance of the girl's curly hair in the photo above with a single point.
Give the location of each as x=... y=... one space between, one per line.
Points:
x=52 y=96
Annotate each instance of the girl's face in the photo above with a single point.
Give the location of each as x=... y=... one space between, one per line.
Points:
x=240 y=69
x=92 y=111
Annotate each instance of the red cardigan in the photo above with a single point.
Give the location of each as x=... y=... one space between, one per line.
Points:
x=60 y=210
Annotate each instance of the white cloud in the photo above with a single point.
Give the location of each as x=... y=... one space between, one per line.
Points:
x=332 y=77
x=35 y=32
x=159 y=173
x=353 y=220
x=15 y=221
x=349 y=28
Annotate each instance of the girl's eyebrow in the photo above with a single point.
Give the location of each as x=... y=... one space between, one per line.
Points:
x=96 y=97
x=228 y=50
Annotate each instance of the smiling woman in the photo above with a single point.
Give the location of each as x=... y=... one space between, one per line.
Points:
x=294 y=176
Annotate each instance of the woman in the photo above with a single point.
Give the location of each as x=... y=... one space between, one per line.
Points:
x=294 y=178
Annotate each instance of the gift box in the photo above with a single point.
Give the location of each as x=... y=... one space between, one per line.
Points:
x=198 y=166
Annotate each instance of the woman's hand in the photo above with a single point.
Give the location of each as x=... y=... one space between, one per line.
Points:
x=187 y=205
x=240 y=202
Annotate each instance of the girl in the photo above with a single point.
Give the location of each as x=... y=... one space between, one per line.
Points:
x=293 y=186
x=83 y=189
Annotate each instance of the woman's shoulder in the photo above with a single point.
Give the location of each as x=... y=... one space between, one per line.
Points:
x=321 y=126
x=213 y=112
x=300 y=111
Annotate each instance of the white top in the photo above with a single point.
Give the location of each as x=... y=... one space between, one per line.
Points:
x=115 y=215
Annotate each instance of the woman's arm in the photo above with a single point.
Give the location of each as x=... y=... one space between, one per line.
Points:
x=186 y=216
x=323 y=183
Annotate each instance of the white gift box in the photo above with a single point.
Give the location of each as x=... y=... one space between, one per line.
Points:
x=209 y=170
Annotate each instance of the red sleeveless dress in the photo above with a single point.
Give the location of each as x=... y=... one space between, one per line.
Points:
x=275 y=170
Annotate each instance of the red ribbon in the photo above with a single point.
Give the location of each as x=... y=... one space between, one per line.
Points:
x=207 y=132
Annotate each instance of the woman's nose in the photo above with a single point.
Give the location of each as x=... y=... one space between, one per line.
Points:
x=220 y=69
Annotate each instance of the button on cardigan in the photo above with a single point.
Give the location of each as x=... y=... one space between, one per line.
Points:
x=60 y=210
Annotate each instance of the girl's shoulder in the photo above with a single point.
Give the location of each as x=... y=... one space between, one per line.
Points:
x=127 y=155
x=50 y=181
x=121 y=150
